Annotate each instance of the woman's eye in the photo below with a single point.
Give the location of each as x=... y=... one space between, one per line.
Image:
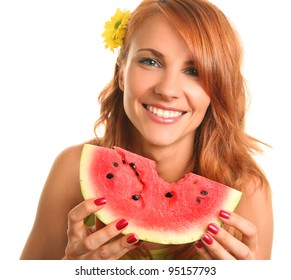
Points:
x=149 y=62
x=192 y=72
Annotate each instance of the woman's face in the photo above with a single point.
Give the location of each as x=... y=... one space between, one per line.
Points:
x=163 y=96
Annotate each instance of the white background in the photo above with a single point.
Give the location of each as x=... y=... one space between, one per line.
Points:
x=53 y=65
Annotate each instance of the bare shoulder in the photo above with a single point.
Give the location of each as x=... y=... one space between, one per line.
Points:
x=256 y=194
x=63 y=177
x=62 y=186
x=69 y=158
x=61 y=192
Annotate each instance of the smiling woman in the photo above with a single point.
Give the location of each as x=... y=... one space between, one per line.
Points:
x=156 y=83
x=177 y=97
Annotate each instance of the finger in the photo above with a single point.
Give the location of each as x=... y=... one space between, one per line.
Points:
x=201 y=250
x=95 y=240
x=116 y=249
x=223 y=245
x=228 y=243
x=76 y=226
x=215 y=249
x=247 y=228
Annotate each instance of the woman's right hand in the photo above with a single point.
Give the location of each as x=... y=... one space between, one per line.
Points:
x=100 y=244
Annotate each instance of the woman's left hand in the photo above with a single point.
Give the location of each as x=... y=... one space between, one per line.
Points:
x=217 y=243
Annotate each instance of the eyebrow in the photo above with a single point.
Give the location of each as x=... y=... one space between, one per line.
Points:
x=160 y=55
x=154 y=52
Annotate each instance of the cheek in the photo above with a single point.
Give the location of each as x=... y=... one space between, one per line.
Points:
x=132 y=92
x=205 y=102
x=200 y=100
x=134 y=84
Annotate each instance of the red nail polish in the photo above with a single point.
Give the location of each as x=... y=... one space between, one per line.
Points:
x=100 y=201
x=131 y=239
x=121 y=224
x=224 y=214
x=213 y=228
x=208 y=239
x=198 y=244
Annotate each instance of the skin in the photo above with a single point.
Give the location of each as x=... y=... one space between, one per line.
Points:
x=159 y=76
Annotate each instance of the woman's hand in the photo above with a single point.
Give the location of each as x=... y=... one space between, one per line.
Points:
x=101 y=244
x=217 y=243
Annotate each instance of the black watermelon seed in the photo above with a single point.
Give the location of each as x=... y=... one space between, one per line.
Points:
x=133 y=165
x=109 y=176
x=198 y=200
x=135 y=197
x=169 y=194
x=204 y=193
x=115 y=164
x=123 y=161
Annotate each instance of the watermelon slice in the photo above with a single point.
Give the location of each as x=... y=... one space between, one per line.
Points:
x=157 y=211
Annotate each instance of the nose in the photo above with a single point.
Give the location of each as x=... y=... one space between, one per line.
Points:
x=168 y=85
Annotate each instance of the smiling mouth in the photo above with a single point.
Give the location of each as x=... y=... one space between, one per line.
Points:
x=165 y=114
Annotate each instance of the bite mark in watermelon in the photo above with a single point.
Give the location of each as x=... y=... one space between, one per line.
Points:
x=157 y=211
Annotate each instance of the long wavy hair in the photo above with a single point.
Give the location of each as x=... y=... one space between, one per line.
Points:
x=223 y=150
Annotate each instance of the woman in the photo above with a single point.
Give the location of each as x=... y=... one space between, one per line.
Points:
x=177 y=97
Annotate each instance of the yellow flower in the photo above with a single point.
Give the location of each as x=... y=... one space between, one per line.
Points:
x=115 y=29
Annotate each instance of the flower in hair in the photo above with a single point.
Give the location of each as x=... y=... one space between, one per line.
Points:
x=115 y=29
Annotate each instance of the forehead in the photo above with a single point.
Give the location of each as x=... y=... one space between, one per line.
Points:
x=158 y=33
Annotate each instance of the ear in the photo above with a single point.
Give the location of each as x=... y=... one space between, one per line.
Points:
x=120 y=79
x=120 y=75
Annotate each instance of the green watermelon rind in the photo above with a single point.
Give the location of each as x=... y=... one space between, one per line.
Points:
x=151 y=235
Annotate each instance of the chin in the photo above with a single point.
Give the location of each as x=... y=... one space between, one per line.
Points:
x=159 y=142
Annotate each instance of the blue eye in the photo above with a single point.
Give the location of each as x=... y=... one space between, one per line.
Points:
x=149 y=62
x=192 y=72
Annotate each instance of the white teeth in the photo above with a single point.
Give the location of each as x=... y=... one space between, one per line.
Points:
x=166 y=114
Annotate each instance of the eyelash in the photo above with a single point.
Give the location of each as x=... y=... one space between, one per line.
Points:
x=194 y=72
x=153 y=63
x=149 y=61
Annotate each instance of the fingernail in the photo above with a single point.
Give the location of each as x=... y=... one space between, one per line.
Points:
x=131 y=239
x=208 y=239
x=213 y=228
x=100 y=201
x=224 y=214
x=121 y=224
x=198 y=244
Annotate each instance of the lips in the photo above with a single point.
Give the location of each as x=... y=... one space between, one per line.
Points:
x=164 y=113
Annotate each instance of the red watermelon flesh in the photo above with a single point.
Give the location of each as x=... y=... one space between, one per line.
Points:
x=157 y=211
